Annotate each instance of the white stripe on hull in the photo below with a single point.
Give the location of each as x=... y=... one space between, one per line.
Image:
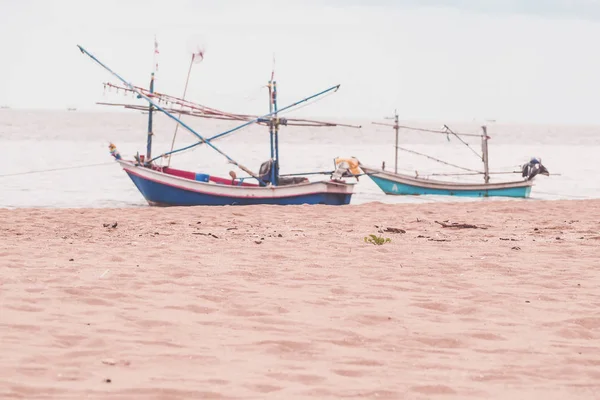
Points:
x=215 y=189
x=442 y=185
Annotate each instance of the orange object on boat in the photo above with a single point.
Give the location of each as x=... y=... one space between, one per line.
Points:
x=352 y=163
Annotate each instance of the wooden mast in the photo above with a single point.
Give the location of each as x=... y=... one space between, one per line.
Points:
x=396 y=128
x=276 y=134
x=150 y=111
x=484 y=149
x=148 y=159
x=271 y=131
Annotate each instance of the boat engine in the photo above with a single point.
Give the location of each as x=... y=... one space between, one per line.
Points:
x=345 y=168
x=533 y=168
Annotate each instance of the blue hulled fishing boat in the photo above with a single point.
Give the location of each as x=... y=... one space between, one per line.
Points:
x=165 y=186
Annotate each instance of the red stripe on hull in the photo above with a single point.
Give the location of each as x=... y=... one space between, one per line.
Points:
x=223 y=195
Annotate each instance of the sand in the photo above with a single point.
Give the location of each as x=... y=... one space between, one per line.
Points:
x=291 y=303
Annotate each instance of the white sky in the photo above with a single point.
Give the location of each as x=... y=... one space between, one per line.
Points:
x=514 y=61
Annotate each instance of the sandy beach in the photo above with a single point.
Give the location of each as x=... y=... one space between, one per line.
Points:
x=291 y=303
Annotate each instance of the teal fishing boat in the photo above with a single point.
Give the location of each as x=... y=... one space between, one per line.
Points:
x=394 y=183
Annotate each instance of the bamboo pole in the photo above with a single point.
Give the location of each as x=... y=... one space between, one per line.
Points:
x=187 y=80
x=396 y=128
x=484 y=148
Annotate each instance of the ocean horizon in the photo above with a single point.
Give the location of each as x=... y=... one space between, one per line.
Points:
x=69 y=151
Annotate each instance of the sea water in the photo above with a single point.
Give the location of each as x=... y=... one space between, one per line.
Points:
x=50 y=158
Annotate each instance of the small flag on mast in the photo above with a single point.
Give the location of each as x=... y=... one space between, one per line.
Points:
x=198 y=55
x=156 y=52
x=271 y=86
x=273 y=68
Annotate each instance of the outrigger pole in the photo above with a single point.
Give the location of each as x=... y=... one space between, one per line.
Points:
x=167 y=113
x=202 y=139
x=253 y=121
x=201 y=111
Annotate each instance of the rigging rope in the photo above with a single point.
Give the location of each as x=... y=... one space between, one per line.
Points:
x=476 y=173
x=181 y=108
x=229 y=132
x=463 y=142
x=294 y=108
x=57 y=169
x=438 y=160
x=440 y=132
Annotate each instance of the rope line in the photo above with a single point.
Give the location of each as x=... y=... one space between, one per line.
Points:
x=438 y=160
x=440 y=132
x=57 y=169
x=187 y=81
x=465 y=143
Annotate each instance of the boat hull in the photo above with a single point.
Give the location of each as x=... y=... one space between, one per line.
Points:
x=160 y=189
x=398 y=184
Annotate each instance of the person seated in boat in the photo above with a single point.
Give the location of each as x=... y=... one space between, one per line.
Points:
x=264 y=174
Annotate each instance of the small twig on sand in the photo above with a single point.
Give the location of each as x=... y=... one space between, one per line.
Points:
x=380 y=229
x=459 y=226
x=394 y=230
x=205 y=234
